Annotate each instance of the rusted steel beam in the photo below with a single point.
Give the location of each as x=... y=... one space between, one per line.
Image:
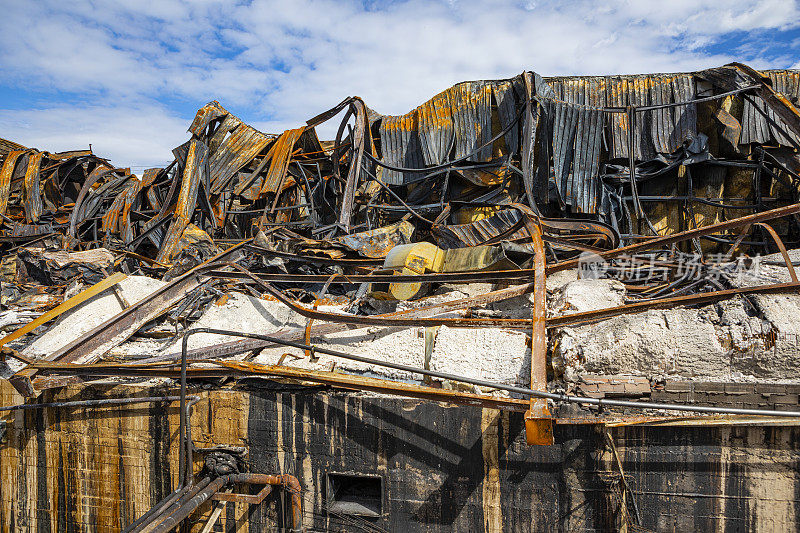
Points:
x=524 y=391
x=333 y=379
x=779 y=243
x=396 y=320
x=252 y=499
x=428 y=277
x=538 y=422
x=683 y=236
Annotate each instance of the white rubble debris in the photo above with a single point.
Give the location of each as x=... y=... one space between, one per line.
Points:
x=730 y=340
x=491 y=354
x=92 y=313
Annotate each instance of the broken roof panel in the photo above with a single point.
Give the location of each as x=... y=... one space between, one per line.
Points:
x=756 y=127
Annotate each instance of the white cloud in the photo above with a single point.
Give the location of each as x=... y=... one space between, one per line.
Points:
x=142 y=137
x=276 y=63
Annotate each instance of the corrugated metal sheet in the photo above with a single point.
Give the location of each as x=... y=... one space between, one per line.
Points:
x=565 y=120
x=480 y=231
x=506 y=111
x=588 y=141
x=436 y=129
x=32 y=190
x=278 y=158
x=6 y=147
x=401 y=147
x=126 y=227
x=471 y=105
x=110 y=219
x=460 y=116
x=6 y=173
x=684 y=118
x=209 y=112
x=232 y=145
x=577 y=138
x=194 y=172
x=755 y=127
x=659 y=130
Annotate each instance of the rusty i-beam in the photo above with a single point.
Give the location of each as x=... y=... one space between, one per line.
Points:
x=538 y=421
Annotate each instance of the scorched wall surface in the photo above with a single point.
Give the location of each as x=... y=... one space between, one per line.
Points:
x=441 y=467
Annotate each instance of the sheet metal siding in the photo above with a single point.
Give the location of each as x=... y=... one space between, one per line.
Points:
x=279 y=162
x=436 y=129
x=503 y=92
x=472 y=110
x=243 y=144
x=194 y=172
x=755 y=127
x=661 y=130
x=110 y=220
x=401 y=146
x=478 y=232
x=205 y=115
x=587 y=161
x=460 y=117
x=684 y=117
x=6 y=173
x=786 y=83
x=32 y=188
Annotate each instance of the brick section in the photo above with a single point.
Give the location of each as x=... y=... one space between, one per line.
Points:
x=614 y=386
x=780 y=396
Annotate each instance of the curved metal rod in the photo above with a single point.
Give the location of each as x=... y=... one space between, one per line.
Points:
x=781 y=247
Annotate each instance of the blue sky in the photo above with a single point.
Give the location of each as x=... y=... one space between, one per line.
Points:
x=127 y=77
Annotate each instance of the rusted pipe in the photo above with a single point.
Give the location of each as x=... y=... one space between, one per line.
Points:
x=166 y=511
x=198 y=498
x=175 y=515
x=557 y=397
x=683 y=236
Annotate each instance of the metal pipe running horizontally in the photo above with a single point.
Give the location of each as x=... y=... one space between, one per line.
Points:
x=557 y=397
x=288 y=482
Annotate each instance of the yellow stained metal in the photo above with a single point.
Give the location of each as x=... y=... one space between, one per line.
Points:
x=538 y=421
x=185 y=205
x=280 y=160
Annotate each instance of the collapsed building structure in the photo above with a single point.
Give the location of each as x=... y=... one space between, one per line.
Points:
x=530 y=304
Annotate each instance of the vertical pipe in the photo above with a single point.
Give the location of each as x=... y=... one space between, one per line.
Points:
x=637 y=206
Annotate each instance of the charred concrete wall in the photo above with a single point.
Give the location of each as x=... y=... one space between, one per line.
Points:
x=439 y=468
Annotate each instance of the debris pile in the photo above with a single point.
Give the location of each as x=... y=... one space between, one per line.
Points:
x=529 y=232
